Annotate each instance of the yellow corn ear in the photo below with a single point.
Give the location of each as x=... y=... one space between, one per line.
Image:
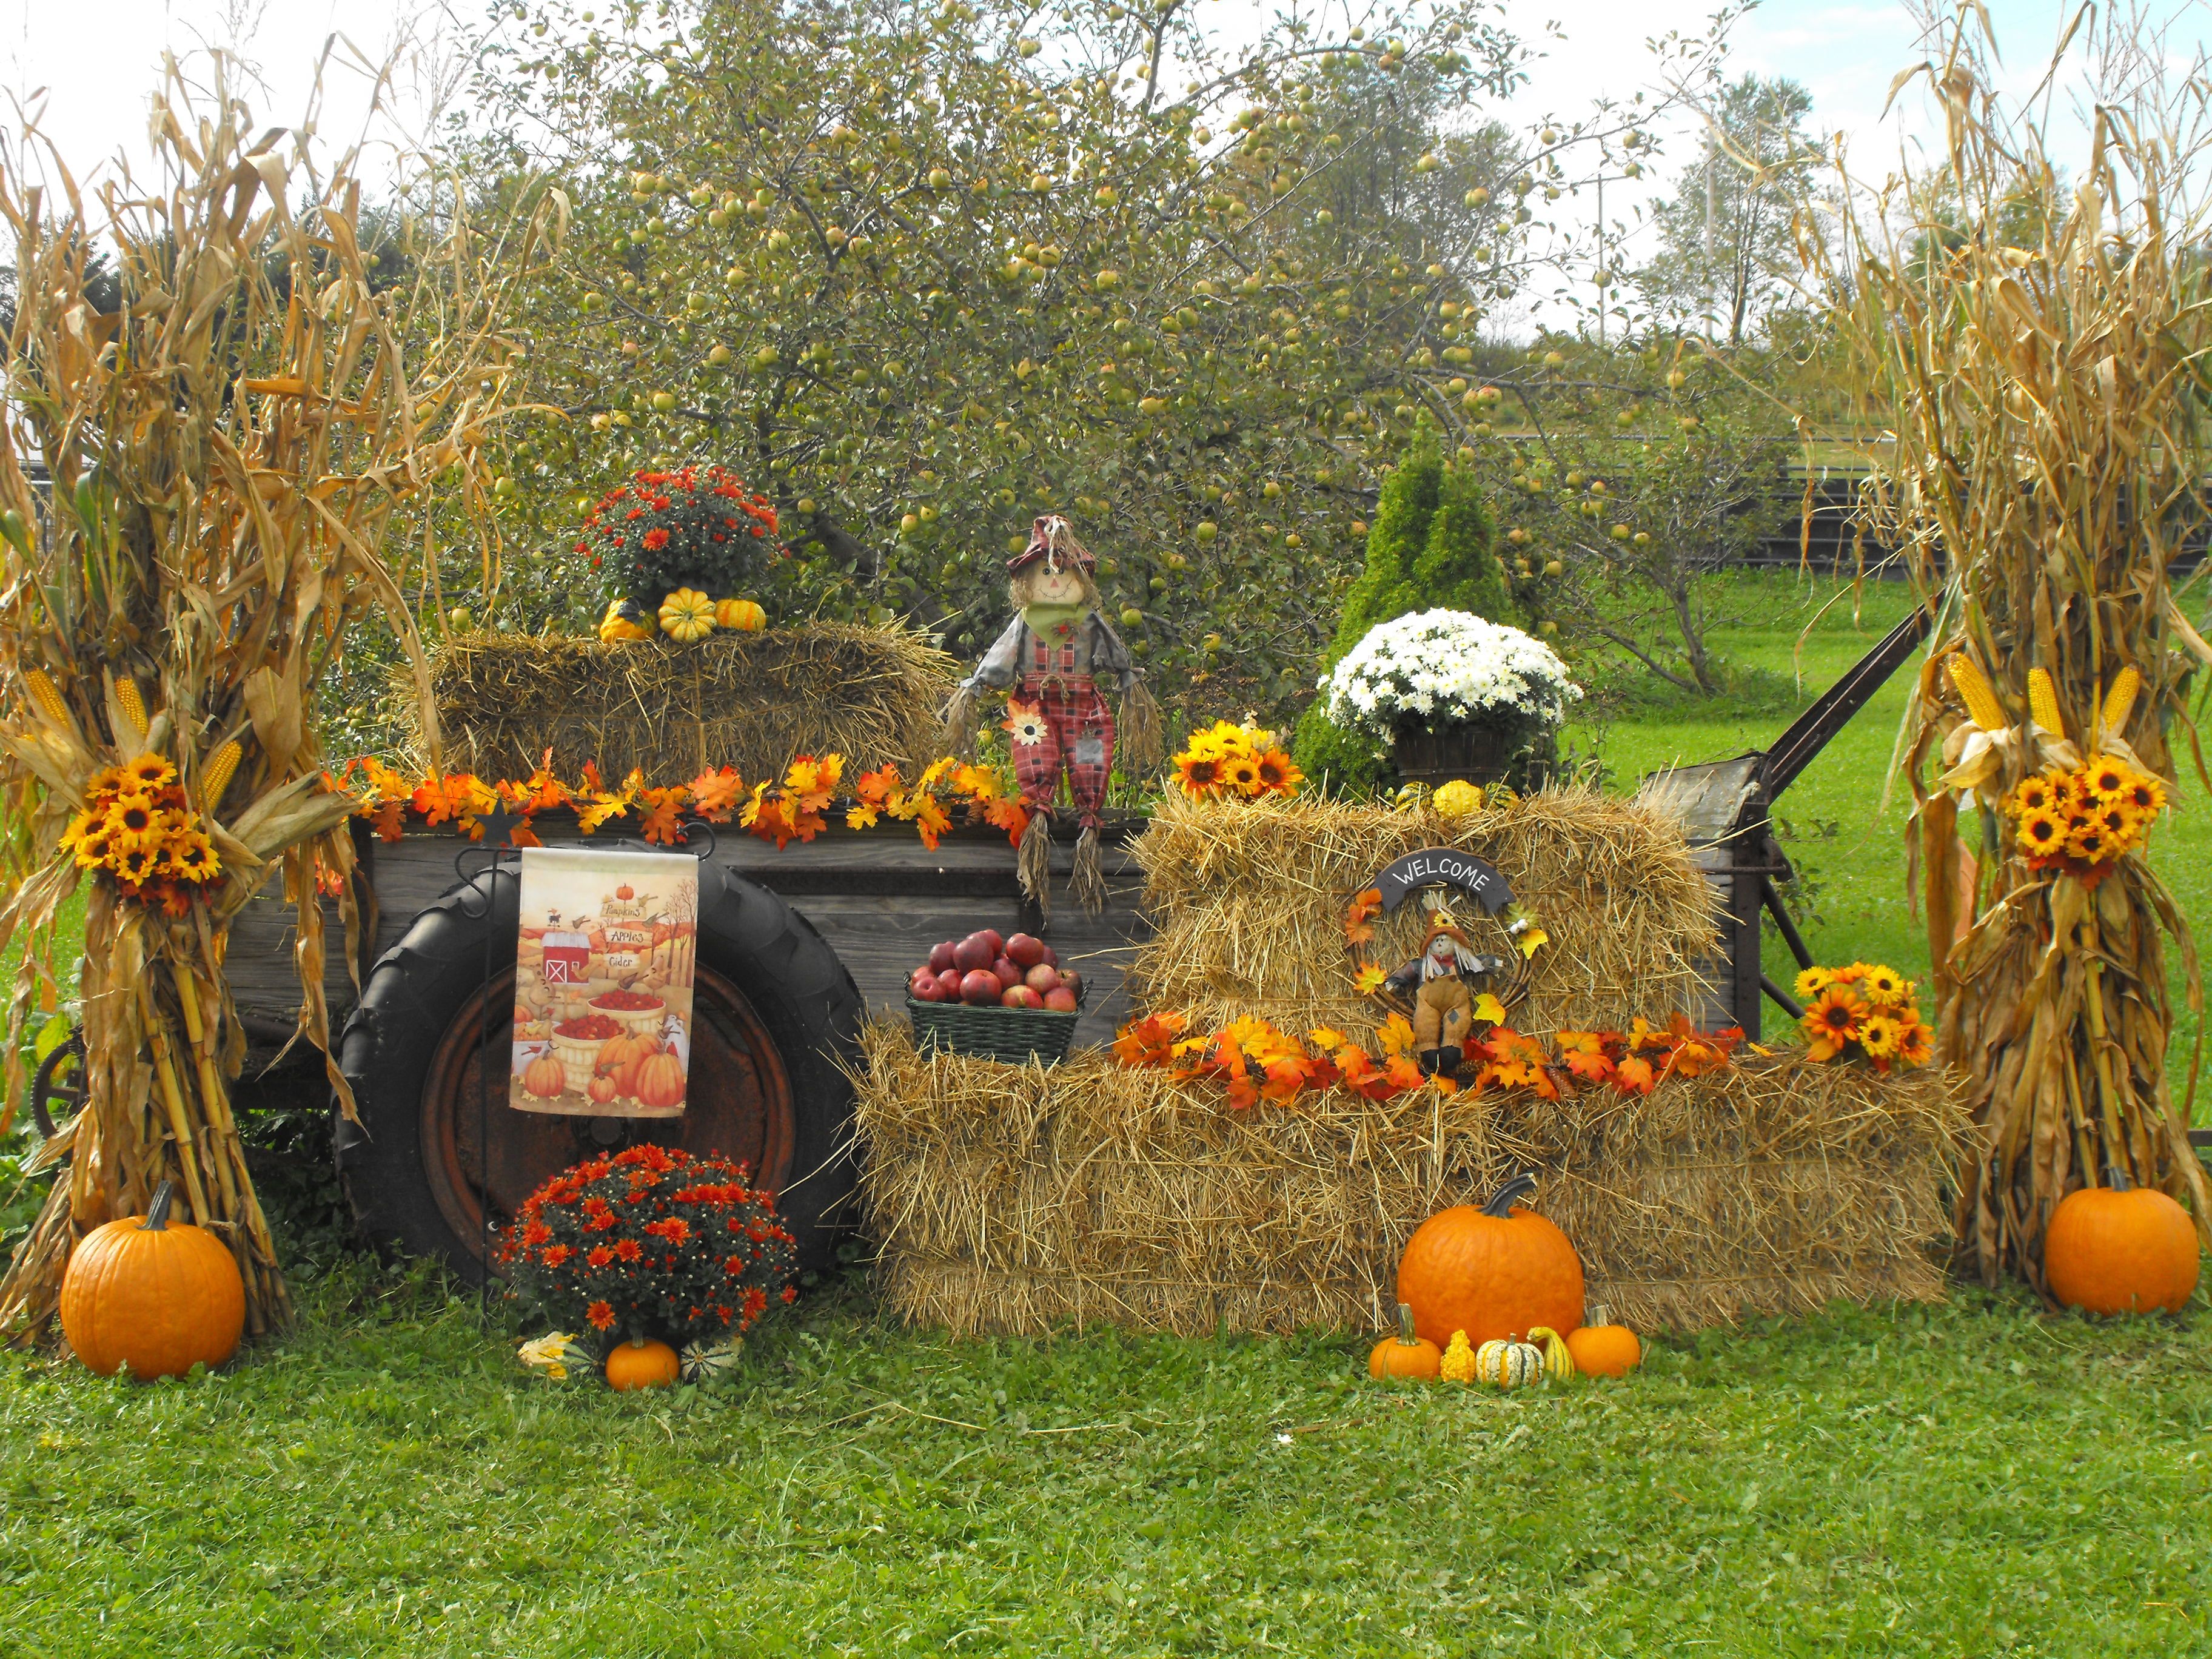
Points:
x=2120 y=701
x=2042 y=702
x=47 y=696
x=1981 y=704
x=132 y=705
x=217 y=778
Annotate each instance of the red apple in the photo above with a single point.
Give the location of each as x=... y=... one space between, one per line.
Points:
x=925 y=988
x=1051 y=957
x=1007 y=973
x=948 y=983
x=1041 y=978
x=973 y=952
x=1020 y=996
x=940 y=957
x=1072 y=980
x=979 y=986
x=997 y=939
x=1060 y=999
x=1025 y=950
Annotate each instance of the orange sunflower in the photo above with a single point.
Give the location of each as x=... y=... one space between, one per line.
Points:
x=1200 y=774
x=1278 y=772
x=1832 y=1021
x=1916 y=1044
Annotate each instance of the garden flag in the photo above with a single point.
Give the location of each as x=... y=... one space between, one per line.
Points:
x=603 y=983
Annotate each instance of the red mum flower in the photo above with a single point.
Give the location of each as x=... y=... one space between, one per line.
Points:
x=790 y=1293
x=629 y=1250
x=556 y=1254
x=600 y=1255
x=656 y=539
x=601 y=1315
x=756 y=1302
x=535 y=1234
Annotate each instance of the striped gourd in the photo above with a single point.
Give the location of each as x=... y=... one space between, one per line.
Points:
x=1973 y=689
x=1558 y=1364
x=2120 y=701
x=132 y=705
x=2042 y=702
x=217 y=778
x=1509 y=1364
x=47 y=696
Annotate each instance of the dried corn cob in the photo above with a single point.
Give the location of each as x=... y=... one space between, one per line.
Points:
x=1981 y=704
x=2042 y=702
x=2120 y=701
x=47 y=696
x=132 y=705
x=217 y=778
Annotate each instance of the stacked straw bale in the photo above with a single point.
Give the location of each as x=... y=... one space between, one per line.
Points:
x=1019 y=1199
x=751 y=700
x=1249 y=900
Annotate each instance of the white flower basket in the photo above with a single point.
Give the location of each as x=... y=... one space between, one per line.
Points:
x=1437 y=670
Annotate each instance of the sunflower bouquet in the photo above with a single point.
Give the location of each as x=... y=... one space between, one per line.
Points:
x=1865 y=1011
x=138 y=826
x=1235 y=762
x=2082 y=820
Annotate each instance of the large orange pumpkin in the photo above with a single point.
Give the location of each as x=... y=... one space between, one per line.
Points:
x=2111 y=1250
x=158 y=1297
x=638 y=1364
x=660 y=1081
x=621 y=1056
x=1494 y=1272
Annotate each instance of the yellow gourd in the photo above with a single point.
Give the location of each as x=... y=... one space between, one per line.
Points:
x=1458 y=1364
x=1559 y=1362
x=742 y=615
x=687 y=616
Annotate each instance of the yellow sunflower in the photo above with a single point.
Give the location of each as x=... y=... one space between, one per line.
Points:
x=112 y=781
x=149 y=773
x=1242 y=773
x=2120 y=822
x=1881 y=1035
x=2106 y=780
x=191 y=856
x=1832 y=1021
x=2086 y=840
x=134 y=821
x=2042 y=834
x=2065 y=794
x=135 y=864
x=1916 y=1044
x=1812 y=982
x=1886 y=986
x=2033 y=795
x=2147 y=794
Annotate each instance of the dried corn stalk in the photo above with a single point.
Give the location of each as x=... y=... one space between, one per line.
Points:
x=2030 y=361
x=227 y=452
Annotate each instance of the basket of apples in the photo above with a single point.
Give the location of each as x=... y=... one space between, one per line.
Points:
x=995 y=998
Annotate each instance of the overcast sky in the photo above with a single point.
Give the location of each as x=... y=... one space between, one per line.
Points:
x=97 y=66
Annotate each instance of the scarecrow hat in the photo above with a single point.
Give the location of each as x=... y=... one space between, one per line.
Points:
x=1441 y=922
x=1052 y=538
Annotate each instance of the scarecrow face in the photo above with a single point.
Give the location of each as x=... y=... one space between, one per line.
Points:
x=1057 y=586
x=1440 y=948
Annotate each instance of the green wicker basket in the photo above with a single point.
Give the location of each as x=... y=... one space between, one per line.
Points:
x=1012 y=1034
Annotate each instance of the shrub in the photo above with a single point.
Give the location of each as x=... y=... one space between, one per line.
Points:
x=1430 y=548
x=1340 y=760
x=650 y=1241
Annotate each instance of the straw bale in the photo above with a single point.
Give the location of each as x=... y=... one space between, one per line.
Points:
x=1248 y=903
x=752 y=701
x=1021 y=1199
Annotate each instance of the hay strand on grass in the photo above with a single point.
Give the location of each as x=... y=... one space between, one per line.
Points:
x=1020 y=1199
x=1249 y=900
x=751 y=700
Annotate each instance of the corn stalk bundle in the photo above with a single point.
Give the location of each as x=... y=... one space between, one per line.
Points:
x=2031 y=362
x=226 y=452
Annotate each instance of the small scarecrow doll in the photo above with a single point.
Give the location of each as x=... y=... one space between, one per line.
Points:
x=1442 y=982
x=1049 y=662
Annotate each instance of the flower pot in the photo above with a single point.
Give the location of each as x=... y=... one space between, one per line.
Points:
x=1481 y=754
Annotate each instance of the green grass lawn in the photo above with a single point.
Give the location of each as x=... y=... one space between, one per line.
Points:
x=1972 y=1478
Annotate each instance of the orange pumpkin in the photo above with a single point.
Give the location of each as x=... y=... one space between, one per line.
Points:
x=543 y=1076
x=625 y=892
x=1600 y=1349
x=157 y=1296
x=1405 y=1354
x=660 y=1081
x=638 y=1364
x=2112 y=1250
x=619 y=1059
x=601 y=1089
x=1494 y=1272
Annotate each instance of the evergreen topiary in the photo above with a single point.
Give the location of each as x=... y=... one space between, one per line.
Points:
x=1431 y=548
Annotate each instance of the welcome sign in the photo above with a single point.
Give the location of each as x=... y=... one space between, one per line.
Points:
x=603 y=972
x=1441 y=867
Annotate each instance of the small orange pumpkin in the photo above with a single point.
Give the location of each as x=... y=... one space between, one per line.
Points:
x=660 y=1081
x=2111 y=1250
x=619 y=1059
x=1600 y=1349
x=544 y=1077
x=157 y=1296
x=1405 y=1354
x=601 y=1089
x=1494 y=1272
x=639 y=1364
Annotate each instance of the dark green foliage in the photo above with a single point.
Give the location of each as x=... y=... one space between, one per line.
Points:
x=1430 y=548
x=1338 y=760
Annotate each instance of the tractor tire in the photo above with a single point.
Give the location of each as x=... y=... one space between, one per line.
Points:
x=438 y=1161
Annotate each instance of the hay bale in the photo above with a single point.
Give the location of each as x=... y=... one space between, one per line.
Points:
x=752 y=701
x=1013 y=1198
x=1248 y=903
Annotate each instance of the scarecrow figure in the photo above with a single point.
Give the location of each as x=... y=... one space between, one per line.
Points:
x=1050 y=661
x=1443 y=999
